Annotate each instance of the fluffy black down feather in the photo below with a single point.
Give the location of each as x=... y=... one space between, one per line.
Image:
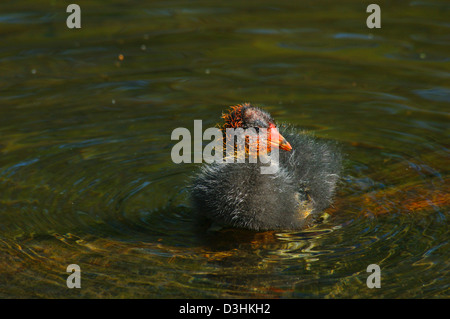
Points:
x=238 y=195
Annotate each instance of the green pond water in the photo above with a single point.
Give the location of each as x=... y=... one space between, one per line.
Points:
x=86 y=117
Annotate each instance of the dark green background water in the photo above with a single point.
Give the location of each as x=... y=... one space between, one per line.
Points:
x=85 y=170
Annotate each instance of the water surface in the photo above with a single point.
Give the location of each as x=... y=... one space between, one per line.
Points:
x=86 y=118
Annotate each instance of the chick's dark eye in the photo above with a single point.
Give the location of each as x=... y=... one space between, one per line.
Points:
x=260 y=124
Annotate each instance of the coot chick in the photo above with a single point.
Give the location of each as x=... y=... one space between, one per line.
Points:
x=239 y=195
